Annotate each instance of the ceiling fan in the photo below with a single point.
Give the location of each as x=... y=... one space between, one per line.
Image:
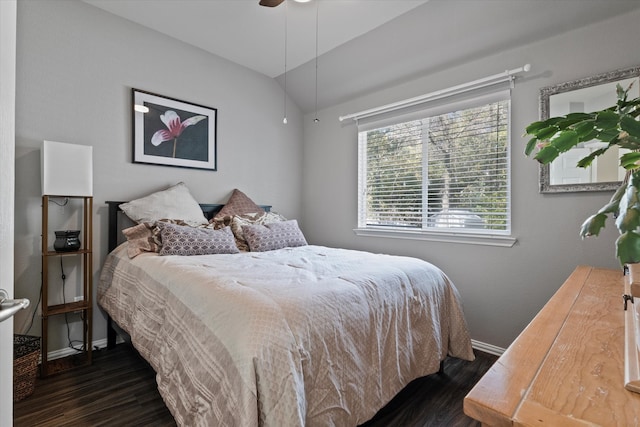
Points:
x=270 y=3
x=274 y=3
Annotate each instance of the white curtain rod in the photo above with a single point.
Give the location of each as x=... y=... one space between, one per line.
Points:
x=464 y=87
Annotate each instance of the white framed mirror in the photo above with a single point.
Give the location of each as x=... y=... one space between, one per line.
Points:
x=584 y=95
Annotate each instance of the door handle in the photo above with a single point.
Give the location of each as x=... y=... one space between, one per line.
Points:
x=9 y=307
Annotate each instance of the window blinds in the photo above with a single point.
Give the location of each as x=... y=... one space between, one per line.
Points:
x=442 y=168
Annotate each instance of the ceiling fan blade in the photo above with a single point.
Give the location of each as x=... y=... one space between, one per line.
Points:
x=270 y=3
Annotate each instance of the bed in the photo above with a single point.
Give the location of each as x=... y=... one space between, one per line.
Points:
x=298 y=336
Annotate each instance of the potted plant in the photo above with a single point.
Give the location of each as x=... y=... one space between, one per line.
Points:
x=616 y=125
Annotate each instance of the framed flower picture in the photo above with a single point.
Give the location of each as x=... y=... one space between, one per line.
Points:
x=171 y=132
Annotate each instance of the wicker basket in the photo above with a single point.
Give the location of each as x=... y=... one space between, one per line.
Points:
x=26 y=352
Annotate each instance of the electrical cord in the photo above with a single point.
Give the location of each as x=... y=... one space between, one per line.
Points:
x=35 y=310
x=66 y=318
x=65 y=203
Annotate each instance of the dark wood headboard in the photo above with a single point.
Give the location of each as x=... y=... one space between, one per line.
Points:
x=209 y=210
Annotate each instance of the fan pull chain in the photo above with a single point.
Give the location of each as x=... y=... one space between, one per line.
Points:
x=316 y=120
x=286 y=8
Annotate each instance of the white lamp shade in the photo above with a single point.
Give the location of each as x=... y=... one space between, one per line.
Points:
x=67 y=169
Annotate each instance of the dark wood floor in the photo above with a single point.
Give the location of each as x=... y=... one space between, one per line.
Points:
x=119 y=389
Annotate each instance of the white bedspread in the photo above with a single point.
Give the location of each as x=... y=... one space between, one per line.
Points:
x=309 y=336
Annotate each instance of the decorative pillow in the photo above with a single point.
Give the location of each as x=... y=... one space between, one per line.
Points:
x=145 y=237
x=275 y=235
x=184 y=240
x=175 y=202
x=256 y=218
x=238 y=204
x=142 y=238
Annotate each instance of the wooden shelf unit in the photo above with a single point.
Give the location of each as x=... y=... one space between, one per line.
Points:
x=84 y=306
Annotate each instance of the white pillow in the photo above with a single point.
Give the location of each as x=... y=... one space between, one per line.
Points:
x=175 y=202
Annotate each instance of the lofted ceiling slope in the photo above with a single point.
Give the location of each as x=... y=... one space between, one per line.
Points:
x=363 y=45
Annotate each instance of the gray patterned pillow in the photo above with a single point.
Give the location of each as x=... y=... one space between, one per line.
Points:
x=183 y=240
x=275 y=235
x=238 y=221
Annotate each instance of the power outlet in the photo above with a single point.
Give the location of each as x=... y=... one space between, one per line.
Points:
x=76 y=299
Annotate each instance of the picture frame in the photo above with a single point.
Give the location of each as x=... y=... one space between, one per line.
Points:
x=171 y=132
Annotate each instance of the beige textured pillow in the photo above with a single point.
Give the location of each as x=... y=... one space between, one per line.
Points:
x=176 y=202
x=141 y=238
x=238 y=204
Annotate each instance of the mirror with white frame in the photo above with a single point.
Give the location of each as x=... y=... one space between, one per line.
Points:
x=585 y=95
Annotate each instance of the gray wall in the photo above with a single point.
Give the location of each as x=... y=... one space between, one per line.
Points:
x=76 y=65
x=502 y=288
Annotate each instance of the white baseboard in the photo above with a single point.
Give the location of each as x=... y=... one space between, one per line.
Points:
x=487 y=348
x=64 y=352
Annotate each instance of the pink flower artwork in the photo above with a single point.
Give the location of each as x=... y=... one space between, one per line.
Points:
x=174 y=129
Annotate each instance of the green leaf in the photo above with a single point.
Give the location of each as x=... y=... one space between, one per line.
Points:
x=568 y=122
x=630 y=125
x=580 y=116
x=565 y=140
x=629 y=160
x=553 y=120
x=534 y=127
x=614 y=203
x=628 y=199
x=587 y=160
x=584 y=128
x=547 y=154
x=546 y=133
x=628 y=220
x=629 y=107
x=628 y=247
x=530 y=146
x=633 y=103
x=589 y=136
x=593 y=225
x=607 y=119
x=629 y=142
x=607 y=135
x=627 y=217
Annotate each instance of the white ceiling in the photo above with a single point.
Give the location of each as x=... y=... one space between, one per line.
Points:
x=253 y=35
x=364 y=45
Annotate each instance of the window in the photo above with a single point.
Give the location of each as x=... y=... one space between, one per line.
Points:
x=440 y=170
